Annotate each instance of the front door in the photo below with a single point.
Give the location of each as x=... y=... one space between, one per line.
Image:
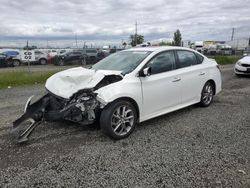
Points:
x=161 y=90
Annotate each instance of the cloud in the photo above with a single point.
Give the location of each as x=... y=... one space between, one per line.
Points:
x=115 y=19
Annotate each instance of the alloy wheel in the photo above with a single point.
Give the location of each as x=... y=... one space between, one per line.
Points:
x=122 y=120
x=207 y=96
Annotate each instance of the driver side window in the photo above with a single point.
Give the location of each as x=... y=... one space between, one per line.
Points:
x=163 y=62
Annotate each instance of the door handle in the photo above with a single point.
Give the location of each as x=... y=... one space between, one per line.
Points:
x=176 y=80
x=202 y=73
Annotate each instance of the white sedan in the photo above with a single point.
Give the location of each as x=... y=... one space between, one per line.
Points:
x=126 y=88
x=242 y=67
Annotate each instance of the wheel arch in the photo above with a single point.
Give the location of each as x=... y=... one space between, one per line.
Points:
x=213 y=83
x=129 y=99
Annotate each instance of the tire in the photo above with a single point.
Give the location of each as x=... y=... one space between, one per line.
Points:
x=115 y=122
x=61 y=62
x=43 y=61
x=16 y=63
x=207 y=94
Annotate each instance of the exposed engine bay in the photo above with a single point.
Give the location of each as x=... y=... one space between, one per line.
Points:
x=82 y=107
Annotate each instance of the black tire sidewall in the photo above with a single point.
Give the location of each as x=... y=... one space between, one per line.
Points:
x=16 y=63
x=40 y=61
x=106 y=115
x=61 y=62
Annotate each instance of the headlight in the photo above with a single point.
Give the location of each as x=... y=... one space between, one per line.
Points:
x=239 y=63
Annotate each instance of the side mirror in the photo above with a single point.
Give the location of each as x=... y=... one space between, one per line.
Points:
x=245 y=54
x=145 y=72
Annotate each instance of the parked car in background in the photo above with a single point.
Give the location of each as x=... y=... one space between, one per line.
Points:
x=41 y=57
x=5 y=61
x=91 y=54
x=242 y=66
x=52 y=53
x=74 y=57
x=15 y=56
x=223 y=49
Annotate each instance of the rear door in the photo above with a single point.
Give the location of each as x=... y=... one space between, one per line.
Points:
x=193 y=75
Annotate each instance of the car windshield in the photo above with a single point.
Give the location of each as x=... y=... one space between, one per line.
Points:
x=125 y=61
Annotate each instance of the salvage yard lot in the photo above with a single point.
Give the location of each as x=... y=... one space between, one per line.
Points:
x=36 y=74
x=193 y=147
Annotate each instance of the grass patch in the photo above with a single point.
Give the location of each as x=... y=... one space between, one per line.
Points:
x=224 y=60
x=23 y=78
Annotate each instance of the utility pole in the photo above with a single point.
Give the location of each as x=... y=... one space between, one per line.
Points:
x=232 y=37
x=135 y=33
x=76 y=40
x=28 y=55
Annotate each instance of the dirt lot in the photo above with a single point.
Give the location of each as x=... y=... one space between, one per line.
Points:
x=193 y=147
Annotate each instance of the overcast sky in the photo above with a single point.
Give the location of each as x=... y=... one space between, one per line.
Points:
x=114 y=20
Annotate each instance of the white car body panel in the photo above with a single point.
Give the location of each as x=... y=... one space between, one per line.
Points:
x=154 y=95
x=129 y=87
x=157 y=90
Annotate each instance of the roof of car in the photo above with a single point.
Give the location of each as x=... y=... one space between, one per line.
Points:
x=157 y=48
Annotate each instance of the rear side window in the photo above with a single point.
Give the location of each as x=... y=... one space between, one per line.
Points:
x=163 y=62
x=186 y=58
x=199 y=58
x=38 y=52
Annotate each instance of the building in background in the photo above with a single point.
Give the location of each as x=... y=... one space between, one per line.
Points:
x=240 y=44
x=186 y=43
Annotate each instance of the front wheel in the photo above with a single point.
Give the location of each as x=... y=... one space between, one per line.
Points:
x=207 y=94
x=118 y=119
x=16 y=63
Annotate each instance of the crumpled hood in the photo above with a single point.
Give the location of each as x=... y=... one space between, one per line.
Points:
x=68 y=82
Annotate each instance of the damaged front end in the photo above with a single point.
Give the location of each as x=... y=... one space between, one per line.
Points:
x=82 y=107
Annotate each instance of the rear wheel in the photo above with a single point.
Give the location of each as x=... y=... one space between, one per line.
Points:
x=60 y=62
x=43 y=61
x=207 y=94
x=118 y=120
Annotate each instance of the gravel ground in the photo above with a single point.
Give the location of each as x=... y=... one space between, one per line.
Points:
x=192 y=147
